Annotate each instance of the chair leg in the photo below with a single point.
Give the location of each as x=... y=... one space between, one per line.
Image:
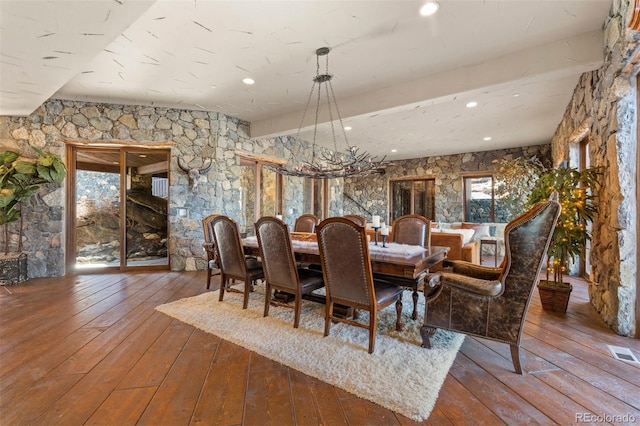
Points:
x=267 y=302
x=373 y=324
x=247 y=290
x=297 y=308
x=426 y=332
x=223 y=284
x=208 y=277
x=515 y=356
x=399 y=313
x=414 y=314
x=327 y=317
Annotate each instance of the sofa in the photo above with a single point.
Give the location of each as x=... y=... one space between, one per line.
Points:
x=458 y=249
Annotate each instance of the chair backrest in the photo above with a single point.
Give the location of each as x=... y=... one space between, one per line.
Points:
x=412 y=229
x=278 y=261
x=344 y=254
x=526 y=240
x=357 y=219
x=306 y=223
x=229 y=246
x=207 y=228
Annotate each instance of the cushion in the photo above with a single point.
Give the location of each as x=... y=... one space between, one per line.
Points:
x=481 y=231
x=467 y=234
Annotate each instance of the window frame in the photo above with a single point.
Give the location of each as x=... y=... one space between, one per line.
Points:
x=465 y=201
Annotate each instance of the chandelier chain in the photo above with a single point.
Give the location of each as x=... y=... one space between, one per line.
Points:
x=330 y=164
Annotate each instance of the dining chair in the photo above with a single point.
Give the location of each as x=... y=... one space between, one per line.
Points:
x=412 y=229
x=357 y=219
x=280 y=270
x=346 y=266
x=232 y=261
x=210 y=248
x=490 y=302
x=306 y=223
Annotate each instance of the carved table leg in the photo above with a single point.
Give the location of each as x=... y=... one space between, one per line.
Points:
x=414 y=315
x=399 y=314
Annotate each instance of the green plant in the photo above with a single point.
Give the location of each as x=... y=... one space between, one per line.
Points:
x=575 y=194
x=515 y=179
x=20 y=179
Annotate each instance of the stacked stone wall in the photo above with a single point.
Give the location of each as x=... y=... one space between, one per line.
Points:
x=605 y=101
x=197 y=135
x=372 y=192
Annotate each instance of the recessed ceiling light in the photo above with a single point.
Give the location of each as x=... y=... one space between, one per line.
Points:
x=394 y=150
x=142 y=155
x=429 y=8
x=472 y=104
x=248 y=81
x=486 y=138
x=347 y=128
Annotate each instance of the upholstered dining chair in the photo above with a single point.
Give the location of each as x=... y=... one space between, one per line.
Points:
x=412 y=229
x=357 y=219
x=346 y=266
x=210 y=248
x=490 y=302
x=280 y=270
x=306 y=223
x=232 y=261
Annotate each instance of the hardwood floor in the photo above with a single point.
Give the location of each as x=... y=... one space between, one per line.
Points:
x=91 y=349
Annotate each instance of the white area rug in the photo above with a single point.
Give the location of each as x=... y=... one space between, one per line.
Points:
x=399 y=375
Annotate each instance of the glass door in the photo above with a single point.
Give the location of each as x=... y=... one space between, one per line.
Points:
x=117 y=208
x=147 y=195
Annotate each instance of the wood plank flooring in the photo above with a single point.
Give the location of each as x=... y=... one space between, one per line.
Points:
x=91 y=349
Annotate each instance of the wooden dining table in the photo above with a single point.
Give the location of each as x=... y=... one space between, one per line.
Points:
x=401 y=264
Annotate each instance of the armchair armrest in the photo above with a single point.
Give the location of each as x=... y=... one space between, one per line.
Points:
x=491 y=288
x=472 y=270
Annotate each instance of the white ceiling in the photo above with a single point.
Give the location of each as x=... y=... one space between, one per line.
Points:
x=402 y=80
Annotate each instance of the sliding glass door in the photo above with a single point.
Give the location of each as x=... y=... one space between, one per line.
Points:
x=117 y=204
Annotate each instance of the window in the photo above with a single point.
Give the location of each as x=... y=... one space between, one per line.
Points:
x=479 y=200
x=414 y=196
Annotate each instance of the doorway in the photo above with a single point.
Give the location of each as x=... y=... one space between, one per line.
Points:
x=118 y=202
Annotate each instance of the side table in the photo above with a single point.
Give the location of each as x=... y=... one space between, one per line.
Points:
x=492 y=242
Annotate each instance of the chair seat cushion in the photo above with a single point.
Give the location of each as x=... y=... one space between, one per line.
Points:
x=310 y=280
x=386 y=291
x=254 y=268
x=489 y=288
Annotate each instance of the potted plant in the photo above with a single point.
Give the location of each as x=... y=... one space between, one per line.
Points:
x=571 y=234
x=20 y=180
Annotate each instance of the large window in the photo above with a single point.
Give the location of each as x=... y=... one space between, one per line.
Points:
x=479 y=200
x=413 y=196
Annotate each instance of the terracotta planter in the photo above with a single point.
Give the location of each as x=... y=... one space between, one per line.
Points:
x=554 y=298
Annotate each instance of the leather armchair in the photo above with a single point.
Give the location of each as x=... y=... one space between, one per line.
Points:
x=489 y=302
x=306 y=223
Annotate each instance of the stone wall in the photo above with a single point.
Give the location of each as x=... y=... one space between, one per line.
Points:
x=196 y=134
x=605 y=101
x=372 y=192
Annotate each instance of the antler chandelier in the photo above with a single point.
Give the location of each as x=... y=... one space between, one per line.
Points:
x=324 y=163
